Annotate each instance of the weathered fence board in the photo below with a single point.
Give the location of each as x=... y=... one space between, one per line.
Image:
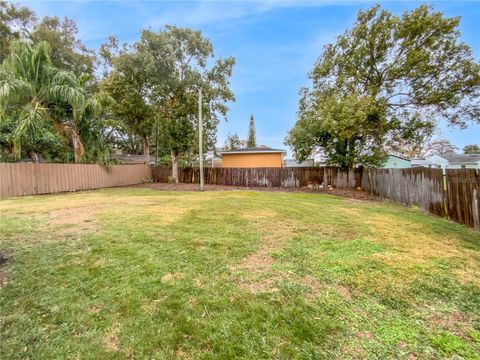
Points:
x=267 y=177
x=18 y=179
x=454 y=195
x=463 y=196
x=422 y=187
x=253 y=177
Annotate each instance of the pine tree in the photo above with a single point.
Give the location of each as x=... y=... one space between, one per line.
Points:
x=252 y=137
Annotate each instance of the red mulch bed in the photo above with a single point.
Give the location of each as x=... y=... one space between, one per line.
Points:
x=354 y=194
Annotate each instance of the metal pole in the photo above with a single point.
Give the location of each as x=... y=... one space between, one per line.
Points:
x=200 y=138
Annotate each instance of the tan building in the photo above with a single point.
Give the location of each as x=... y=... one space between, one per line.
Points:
x=261 y=156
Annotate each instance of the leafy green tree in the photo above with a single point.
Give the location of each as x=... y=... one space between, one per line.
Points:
x=42 y=144
x=182 y=56
x=349 y=130
x=252 y=137
x=412 y=138
x=233 y=142
x=398 y=71
x=67 y=51
x=471 y=149
x=129 y=84
x=15 y=23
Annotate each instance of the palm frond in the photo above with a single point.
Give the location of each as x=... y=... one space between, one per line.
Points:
x=13 y=90
x=30 y=120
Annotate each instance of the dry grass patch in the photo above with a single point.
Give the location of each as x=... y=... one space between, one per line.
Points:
x=84 y=216
x=172 y=277
x=111 y=341
x=411 y=244
x=257 y=267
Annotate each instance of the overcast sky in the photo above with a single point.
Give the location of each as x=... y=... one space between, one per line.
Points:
x=275 y=44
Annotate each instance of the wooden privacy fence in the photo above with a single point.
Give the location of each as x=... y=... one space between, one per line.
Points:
x=29 y=179
x=266 y=177
x=453 y=194
x=462 y=198
x=422 y=187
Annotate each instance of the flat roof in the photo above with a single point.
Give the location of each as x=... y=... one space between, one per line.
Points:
x=254 y=150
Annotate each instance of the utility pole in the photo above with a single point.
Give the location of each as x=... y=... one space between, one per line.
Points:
x=200 y=138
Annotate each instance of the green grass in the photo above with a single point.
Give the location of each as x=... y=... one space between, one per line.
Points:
x=136 y=273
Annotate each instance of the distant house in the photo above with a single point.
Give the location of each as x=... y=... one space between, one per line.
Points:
x=462 y=161
x=450 y=160
x=208 y=163
x=129 y=159
x=396 y=162
x=253 y=157
x=295 y=163
x=432 y=161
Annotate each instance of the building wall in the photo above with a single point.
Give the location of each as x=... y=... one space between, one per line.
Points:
x=464 y=166
x=295 y=163
x=252 y=160
x=396 y=163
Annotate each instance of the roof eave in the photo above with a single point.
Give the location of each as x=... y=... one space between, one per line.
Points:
x=253 y=152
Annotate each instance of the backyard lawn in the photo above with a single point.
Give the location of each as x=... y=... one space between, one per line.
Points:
x=139 y=273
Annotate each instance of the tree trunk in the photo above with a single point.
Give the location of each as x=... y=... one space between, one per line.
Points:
x=146 y=150
x=36 y=157
x=174 y=166
x=70 y=132
x=78 y=148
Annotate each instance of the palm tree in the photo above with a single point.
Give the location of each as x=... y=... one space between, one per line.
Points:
x=25 y=89
x=35 y=93
x=78 y=110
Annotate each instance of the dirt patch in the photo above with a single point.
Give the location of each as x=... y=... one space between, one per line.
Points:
x=353 y=351
x=171 y=277
x=82 y=217
x=259 y=274
x=111 y=340
x=258 y=269
x=256 y=273
x=314 y=285
x=344 y=292
x=5 y=258
x=456 y=322
x=365 y=335
x=354 y=195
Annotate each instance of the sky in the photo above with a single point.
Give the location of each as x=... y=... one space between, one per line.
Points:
x=275 y=44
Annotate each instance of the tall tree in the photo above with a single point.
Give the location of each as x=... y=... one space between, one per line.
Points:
x=412 y=138
x=15 y=23
x=398 y=67
x=252 y=134
x=28 y=85
x=439 y=147
x=129 y=84
x=68 y=52
x=471 y=149
x=233 y=142
x=182 y=55
x=34 y=95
